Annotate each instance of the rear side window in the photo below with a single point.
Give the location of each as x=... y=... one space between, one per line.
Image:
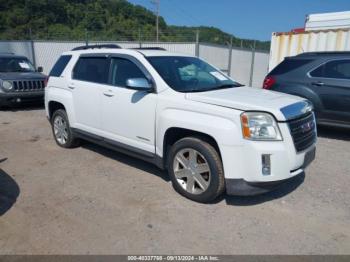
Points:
x=60 y=65
x=288 y=65
x=92 y=69
x=339 y=69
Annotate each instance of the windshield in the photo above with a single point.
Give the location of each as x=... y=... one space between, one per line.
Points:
x=190 y=74
x=15 y=64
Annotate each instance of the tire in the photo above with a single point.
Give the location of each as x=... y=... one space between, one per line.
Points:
x=185 y=176
x=66 y=140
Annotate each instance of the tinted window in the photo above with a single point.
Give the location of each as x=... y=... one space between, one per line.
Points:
x=334 y=69
x=122 y=70
x=91 y=69
x=288 y=65
x=60 y=65
x=190 y=74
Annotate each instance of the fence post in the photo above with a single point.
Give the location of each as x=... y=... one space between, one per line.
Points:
x=252 y=65
x=197 y=44
x=230 y=57
x=86 y=37
x=32 y=47
x=140 y=38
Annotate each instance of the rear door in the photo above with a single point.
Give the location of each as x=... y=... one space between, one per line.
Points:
x=89 y=76
x=331 y=81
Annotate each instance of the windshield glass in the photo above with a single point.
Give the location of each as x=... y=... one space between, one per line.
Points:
x=15 y=64
x=190 y=74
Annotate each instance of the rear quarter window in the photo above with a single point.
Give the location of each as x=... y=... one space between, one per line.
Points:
x=289 y=65
x=60 y=65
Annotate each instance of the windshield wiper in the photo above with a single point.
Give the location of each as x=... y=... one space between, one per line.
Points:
x=193 y=90
x=223 y=86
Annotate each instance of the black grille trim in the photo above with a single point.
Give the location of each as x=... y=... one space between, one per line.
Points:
x=28 y=85
x=303 y=131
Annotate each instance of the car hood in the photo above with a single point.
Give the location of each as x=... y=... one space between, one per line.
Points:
x=281 y=105
x=21 y=75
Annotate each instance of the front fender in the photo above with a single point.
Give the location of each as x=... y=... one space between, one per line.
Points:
x=224 y=130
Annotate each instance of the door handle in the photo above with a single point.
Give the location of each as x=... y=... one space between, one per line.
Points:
x=71 y=87
x=317 y=83
x=108 y=94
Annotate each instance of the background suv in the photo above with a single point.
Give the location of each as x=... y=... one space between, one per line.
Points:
x=321 y=77
x=19 y=80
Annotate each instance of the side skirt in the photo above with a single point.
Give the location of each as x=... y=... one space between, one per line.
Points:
x=120 y=147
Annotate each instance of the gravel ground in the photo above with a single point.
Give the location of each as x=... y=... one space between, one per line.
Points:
x=91 y=200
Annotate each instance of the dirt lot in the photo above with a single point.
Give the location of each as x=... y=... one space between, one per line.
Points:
x=92 y=200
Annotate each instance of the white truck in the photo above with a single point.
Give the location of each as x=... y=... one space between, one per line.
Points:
x=182 y=114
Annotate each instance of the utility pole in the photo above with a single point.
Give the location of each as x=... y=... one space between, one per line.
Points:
x=156 y=3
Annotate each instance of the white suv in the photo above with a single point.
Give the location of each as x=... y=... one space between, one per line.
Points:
x=182 y=114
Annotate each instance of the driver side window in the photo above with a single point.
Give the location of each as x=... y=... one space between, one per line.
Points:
x=122 y=70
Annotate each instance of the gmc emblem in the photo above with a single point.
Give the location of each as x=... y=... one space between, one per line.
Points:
x=307 y=127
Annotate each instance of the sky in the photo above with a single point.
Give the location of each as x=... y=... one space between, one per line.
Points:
x=251 y=19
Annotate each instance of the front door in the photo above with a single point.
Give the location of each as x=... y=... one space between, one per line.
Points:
x=128 y=116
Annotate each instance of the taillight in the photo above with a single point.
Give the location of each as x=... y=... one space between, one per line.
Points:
x=269 y=81
x=45 y=81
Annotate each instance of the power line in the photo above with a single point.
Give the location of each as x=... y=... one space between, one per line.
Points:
x=193 y=18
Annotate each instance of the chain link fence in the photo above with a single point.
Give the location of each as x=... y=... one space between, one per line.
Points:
x=242 y=60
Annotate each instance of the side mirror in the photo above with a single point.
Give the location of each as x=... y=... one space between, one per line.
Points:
x=140 y=84
x=40 y=69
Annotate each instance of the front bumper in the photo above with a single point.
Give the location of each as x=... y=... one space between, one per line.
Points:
x=15 y=98
x=242 y=187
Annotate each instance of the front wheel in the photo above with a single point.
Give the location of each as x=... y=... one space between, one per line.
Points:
x=61 y=130
x=195 y=169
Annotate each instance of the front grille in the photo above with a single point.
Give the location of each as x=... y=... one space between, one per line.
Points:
x=303 y=132
x=28 y=85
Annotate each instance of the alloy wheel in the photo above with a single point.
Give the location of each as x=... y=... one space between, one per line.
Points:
x=192 y=171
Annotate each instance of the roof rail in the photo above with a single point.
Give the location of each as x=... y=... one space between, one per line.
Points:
x=149 y=48
x=325 y=53
x=85 y=47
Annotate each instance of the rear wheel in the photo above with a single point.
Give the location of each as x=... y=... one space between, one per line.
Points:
x=62 y=131
x=196 y=170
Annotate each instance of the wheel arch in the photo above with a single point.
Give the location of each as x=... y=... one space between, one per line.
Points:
x=174 y=134
x=54 y=106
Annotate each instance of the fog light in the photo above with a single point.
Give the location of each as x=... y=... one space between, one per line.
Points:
x=266 y=165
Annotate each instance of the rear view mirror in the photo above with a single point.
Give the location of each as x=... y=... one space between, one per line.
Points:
x=141 y=84
x=40 y=69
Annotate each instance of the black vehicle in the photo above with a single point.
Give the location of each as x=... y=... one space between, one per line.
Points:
x=19 y=80
x=321 y=77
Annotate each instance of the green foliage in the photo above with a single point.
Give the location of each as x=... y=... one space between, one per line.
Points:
x=98 y=20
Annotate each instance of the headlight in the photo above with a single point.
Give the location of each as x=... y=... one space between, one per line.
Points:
x=259 y=126
x=6 y=85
